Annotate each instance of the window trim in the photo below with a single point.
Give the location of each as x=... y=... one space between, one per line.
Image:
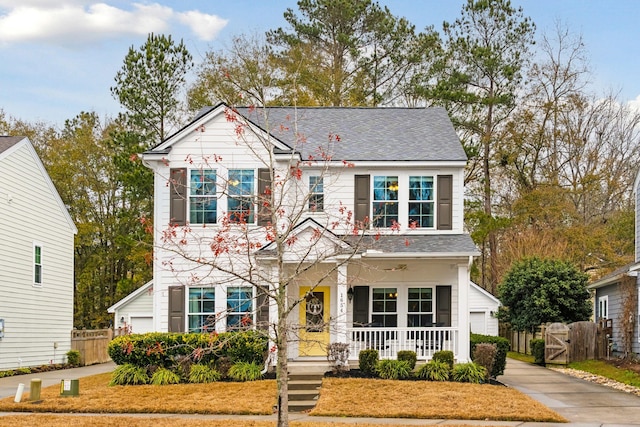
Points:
x=431 y=202
x=603 y=301
x=191 y=196
x=386 y=220
x=316 y=198
x=37 y=265
x=189 y=314
x=250 y=198
x=387 y=289
x=251 y=313
x=420 y=312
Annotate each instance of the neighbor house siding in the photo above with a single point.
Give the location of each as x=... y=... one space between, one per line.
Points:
x=38 y=320
x=615 y=310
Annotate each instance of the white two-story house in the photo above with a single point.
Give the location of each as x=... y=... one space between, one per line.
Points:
x=371 y=199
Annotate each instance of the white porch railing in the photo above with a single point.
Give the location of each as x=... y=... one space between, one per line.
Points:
x=389 y=341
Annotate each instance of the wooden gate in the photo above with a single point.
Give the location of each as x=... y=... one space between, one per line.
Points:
x=556 y=340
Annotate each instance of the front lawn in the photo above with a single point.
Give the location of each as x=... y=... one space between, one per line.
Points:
x=339 y=397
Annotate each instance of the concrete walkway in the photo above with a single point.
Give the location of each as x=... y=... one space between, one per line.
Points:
x=583 y=403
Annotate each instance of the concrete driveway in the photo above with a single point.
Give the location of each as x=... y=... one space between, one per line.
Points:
x=9 y=385
x=579 y=401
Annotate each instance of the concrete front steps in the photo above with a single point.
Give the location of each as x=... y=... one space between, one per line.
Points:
x=305 y=379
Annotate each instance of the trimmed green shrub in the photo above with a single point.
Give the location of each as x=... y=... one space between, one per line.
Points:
x=203 y=374
x=164 y=376
x=244 y=346
x=165 y=349
x=129 y=374
x=435 y=370
x=485 y=355
x=537 y=351
x=502 y=347
x=446 y=356
x=468 y=373
x=244 y=371
x=408 y=356
x=368 y=361
x=389 y=369
x=23 y=371
x=73 y=357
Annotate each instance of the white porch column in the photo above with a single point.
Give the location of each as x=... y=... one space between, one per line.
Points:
x=463 y=313
x=341 y=312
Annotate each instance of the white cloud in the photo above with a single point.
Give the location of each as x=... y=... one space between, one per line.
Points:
x=634 y=104
x=205 y=26
x=72 y=22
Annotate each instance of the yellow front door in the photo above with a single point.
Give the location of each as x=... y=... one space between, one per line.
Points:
x=314 y=321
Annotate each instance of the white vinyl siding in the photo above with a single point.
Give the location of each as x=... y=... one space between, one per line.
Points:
x=26 y=197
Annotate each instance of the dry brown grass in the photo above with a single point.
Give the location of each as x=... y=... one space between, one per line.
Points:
x=96 y=396
x=117 y=421
x=339 y=397
x=418 y=399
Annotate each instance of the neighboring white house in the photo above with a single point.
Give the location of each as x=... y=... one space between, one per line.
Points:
x=401 y=169
x=482 y=311
x=36 y=261
x=134 y=313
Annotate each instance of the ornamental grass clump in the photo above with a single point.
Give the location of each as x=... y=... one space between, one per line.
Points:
x=129 y=374
x=469 y=373
x=244 y=371
x=200 y=374
x=164 y=376
x=394 y=369
x=435 y=370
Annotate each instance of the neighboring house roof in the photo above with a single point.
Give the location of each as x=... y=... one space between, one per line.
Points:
x=485 y=293
x=615 y=276
x=10 y=144
x=133 y=295
x=366 y=134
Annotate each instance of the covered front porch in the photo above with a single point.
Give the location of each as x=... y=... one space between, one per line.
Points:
x=422 y=307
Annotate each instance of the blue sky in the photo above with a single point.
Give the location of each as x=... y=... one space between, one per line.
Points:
x=59 y=57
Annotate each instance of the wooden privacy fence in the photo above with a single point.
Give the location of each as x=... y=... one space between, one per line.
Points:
x=92 y=345
x=520 y=341
x=563 y=343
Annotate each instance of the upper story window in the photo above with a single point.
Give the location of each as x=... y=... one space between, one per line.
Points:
x=240 y=195
x=316 y=194
x=603 y=307
x=385 y=201
x=37 y=265
x=203 y=203
x=421 y=206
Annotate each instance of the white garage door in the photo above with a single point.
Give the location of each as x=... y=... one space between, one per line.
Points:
x=141 y=325
x=478 y=320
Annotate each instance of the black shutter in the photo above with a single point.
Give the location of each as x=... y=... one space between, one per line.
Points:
x=362 y=199
x=262 y=308
x=264 y=184
x=443 y=305
x=176 y=308
x=178 y=196
x=360 y=305
x=445 y=202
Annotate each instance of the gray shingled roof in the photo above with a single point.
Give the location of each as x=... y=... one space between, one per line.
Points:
x=7 y=142
x=430 y=243
x=366 y=134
